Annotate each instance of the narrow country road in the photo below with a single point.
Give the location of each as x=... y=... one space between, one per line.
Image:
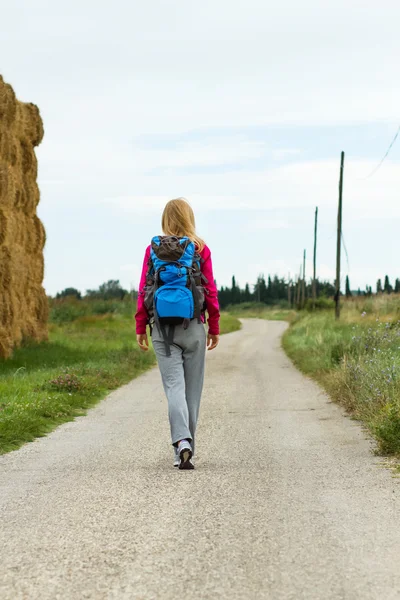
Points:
x=287 y=500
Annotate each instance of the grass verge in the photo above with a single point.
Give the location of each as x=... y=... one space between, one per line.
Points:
x=357 y=360
x=252 y=310
x=46 y=384
x=229 y=323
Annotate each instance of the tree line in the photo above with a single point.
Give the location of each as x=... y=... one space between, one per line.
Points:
x=272 y=290
x=110 y=290
x=275 y=290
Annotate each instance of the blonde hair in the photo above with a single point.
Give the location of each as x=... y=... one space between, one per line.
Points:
x=178 y=219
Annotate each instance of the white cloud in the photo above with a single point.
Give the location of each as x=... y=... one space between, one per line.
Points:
x=150 y=68
x=261 y=224
x=177 y=67
x=282 y=153
x=139 y=205
x=294 y=186
x=213 y=153
x=131 y=273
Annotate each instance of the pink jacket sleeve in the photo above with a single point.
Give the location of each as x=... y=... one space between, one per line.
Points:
x=141 y=316
x=212 y=304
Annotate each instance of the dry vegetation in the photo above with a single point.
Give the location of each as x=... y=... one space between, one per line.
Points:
x=23 y=303
x=357 y=359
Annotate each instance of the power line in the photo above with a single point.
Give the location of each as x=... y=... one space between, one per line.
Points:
x=383 y=159
x=347 y=256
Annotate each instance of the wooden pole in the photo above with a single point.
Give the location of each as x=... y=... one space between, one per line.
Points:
x=314 y=287
x=303 y=283
x=299 y=289
x=339 y=239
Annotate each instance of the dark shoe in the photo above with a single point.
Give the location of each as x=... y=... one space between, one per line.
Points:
x=185 y=455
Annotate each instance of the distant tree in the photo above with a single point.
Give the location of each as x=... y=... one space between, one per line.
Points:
x=110 y=290
x=269 y=292
x=325 y=288
x=260 y=290
x=397 y=286
x=70 y=292
x=348 y=291
x=235 y=292
x=273 y=290
x=379 y=287
x=224 y=296
x=387 y=287
x=359 y=292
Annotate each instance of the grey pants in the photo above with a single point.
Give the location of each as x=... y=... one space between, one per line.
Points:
x=182 y=375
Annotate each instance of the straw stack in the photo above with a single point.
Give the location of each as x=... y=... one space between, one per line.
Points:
x=23 y=302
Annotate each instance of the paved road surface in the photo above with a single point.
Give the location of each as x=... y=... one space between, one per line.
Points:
x=287 y=501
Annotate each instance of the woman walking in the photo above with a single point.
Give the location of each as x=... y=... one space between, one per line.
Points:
x=176 y=289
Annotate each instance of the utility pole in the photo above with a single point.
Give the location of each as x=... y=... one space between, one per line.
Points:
x=303 y=283
x=299 y=288
x=288 y=291
x=339 y=239
x=314 y=286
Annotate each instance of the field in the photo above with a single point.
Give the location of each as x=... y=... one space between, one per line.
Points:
x=357 y=360
x=253 y=310
x=91 y=351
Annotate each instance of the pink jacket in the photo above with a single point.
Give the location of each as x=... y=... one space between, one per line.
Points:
x=211 y=297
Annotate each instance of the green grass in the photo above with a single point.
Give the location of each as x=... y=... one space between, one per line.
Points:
x=46 y=384
x=67 y=310
x=252 y=310
x=357 y=360
x=50 y=383
x=229 y=323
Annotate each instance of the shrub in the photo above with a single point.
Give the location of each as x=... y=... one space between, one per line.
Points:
x=321 y=303
x=388 y=430
x=68 y=309
x=66 y=382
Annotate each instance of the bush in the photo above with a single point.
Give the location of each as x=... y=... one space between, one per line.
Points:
x=67 y=382
x=388 y=430
x=321 y=303
x=68 y=309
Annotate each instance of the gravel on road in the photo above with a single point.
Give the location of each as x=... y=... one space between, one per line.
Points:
x=287 y=500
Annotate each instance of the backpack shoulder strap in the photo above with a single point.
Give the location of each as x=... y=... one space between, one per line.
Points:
x=150 y=266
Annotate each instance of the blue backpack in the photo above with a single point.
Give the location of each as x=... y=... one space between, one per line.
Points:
x=174 y=292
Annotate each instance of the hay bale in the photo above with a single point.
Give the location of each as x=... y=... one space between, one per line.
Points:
x=6 y=342
x=41 y=310
x=28 y=158
x=37 y=266
x=23 y=302
x=5 y=269
x=40 y=234
x=4 y=143
x=8 y=188
x=3 y=227
x=27 y=195
x=8 y=147
x=29 y=123
x=7 y=313
x=8 y=103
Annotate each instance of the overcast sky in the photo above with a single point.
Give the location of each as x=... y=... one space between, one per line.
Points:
x=241 y=107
